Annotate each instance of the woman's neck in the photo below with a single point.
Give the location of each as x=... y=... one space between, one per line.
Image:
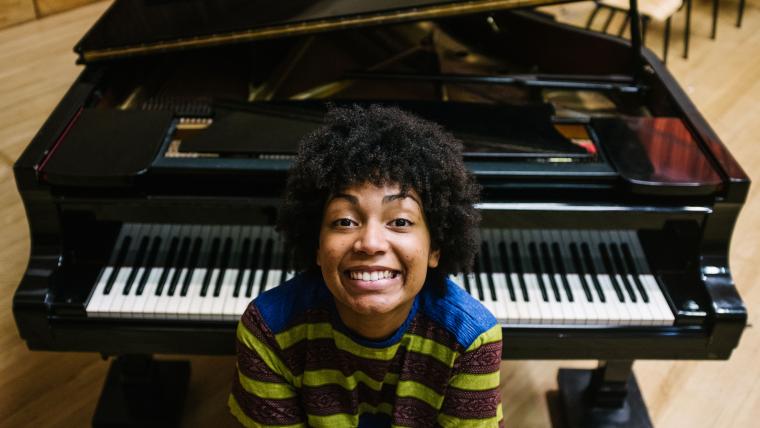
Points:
x=374 y=326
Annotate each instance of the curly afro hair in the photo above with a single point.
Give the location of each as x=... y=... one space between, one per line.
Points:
x=382 y=145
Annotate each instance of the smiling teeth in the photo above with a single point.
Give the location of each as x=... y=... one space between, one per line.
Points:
x=372 y=276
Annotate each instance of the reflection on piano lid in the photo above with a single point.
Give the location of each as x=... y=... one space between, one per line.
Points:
x=568 y=278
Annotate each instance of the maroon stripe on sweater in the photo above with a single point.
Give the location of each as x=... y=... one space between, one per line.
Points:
x=465 y=404
x=332 y=399
x=424 y=326
x=425 y=370
x=413 y=412
x=268 y=411
x=486 y=359
x=251 y=365
x=321 y=354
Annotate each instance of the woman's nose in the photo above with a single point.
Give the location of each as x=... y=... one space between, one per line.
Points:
x=371 y=239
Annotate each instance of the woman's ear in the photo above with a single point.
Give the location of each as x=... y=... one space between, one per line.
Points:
x=433 y=258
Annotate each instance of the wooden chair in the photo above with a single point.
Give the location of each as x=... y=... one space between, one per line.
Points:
x=658 y=10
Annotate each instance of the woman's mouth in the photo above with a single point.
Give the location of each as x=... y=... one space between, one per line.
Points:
x=371 y=276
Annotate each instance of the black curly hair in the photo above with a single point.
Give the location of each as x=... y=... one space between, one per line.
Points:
x=382 y=145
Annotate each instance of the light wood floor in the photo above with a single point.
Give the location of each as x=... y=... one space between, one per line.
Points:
x=61 y=389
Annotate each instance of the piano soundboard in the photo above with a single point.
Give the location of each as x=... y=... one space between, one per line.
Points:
x=568 y=278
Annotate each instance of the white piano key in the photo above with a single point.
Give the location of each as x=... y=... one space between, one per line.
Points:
x=129 y=300
x=506 y=310
x=234 y=306
x=661 y=305
x=538 y=310
x=490 y=300
x=97 y=298
x=226 y=309
x=162 y=232
x=587 y=311
x=175 y=273
x=520 y=300
x=470 y=279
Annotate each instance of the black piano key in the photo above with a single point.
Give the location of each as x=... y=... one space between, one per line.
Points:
x=192 y=264
x=591 y=269
x=618 y=260
x=467 y=285
x=478 y=282
x=504 y=258
x=125 y=243
x=517 y=262
x=266 y=264
x=562 y=271
x=171 y=255
x=242 y=264
x=486 y=252
x=285 y=265
x=581 y=271
x=549 y=267
x=181 y=262
x=224 y=261
x=141 y=250
x=210 y=265
x=150 y=263
x=538 y=269
x=254 y=264
x=611 y=272
x=632 y=268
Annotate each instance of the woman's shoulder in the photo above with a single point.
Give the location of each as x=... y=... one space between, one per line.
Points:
x=458 y=312
x=290 y=300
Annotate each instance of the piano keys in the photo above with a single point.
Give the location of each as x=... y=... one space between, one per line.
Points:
x=567 y=278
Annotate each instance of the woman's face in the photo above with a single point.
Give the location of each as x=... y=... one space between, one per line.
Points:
x=374 y=250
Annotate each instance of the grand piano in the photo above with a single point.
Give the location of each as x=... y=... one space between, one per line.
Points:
x=608 y=202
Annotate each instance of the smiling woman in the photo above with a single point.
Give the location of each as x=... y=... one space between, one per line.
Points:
x=378 y=211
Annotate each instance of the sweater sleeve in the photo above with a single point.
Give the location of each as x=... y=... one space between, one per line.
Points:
x=262 y=394
x=473 y=397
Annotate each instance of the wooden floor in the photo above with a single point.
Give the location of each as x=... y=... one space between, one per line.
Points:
x=56 y=389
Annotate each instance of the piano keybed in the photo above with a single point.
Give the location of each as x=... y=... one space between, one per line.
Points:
x=572 y=278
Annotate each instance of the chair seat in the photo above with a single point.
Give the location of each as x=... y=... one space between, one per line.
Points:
x=658 y=10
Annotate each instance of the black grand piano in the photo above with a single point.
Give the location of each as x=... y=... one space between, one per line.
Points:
x=608 y=202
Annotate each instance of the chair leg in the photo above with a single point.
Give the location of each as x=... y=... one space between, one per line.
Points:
x=687 y=30
x=715 y=19
x=666 y=41
x=644 y=24
x=592 y=16
x=609 y=20
x=741 y=13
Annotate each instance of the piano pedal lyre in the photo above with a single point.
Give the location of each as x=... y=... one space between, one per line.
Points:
x=141 y=391
x=607 y=396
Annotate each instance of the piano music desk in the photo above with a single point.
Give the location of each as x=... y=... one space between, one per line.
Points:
x=61 y=389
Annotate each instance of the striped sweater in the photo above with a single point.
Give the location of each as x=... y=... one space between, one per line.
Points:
x=299 y=365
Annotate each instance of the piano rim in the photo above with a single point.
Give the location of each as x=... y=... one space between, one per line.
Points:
x=210 y=337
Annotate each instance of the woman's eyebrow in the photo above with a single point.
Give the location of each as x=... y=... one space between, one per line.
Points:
x=353 y=200
x=396 y=196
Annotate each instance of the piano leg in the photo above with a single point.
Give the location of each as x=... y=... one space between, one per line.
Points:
x=605 y=397
x=141 y=391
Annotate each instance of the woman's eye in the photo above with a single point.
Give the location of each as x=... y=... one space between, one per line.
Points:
x=401 y=222
x=343 y=222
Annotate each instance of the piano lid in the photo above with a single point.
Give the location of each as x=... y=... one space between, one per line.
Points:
x=138 y=27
